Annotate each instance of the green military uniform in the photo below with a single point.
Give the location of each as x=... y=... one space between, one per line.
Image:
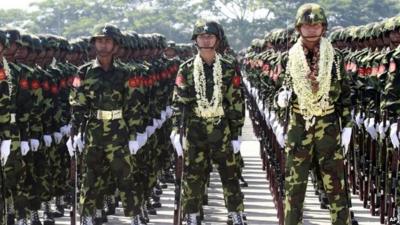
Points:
x=101 y=96
x=208 y=136
x=314 y=131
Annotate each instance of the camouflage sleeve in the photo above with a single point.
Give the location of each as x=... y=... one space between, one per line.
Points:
x=180 y=97
x=133 y=112
x=4 y=107
x=391 y=94
x=57 y=104
x=235 y=111
x=24 y=106
x=79 y=99
x=47 y=111
x=35 y=122
x=344 y=101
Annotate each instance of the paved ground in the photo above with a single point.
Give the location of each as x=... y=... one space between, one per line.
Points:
x=258 y=201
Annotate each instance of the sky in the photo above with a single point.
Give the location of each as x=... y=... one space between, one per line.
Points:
x=16 y=4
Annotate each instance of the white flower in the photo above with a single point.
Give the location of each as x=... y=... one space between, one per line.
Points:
x=205 y=108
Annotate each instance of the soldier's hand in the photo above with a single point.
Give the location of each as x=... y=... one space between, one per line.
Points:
x=57 y=137
x=345 y=138
x=47 y=140
x=394 y=137
x=24 y=148
x=133 y=147
x=5 y=150
x=34 y=144
x=70 y=147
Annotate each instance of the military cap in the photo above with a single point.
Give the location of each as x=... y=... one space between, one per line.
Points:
x=3 y=38
x=311 y=13
x=107 y=30
x=13 y=35
x=25 y=41
x=206 y=27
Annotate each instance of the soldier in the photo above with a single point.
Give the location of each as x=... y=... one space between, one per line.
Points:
x=208 y=105
x=101 y=95
x=5 y=135
x=320 y=98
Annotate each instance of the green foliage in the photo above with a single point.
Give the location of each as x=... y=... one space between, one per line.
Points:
x=242 y=20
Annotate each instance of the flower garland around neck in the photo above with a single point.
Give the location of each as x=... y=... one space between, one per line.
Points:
x=205 y=108
x=8 y=74
x=311 y=103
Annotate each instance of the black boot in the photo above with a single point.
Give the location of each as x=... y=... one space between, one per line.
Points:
x=109 y=205
x=22 y=222
x=150 y=209
x=243 y=183
x=144 y=216
x=59 y=212
x=35 y=218
x=10 y=218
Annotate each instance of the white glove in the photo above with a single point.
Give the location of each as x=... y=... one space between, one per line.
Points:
x=359 y=120
x=163 y=116
x=175 y=139
x=47 y=140
x=280 y=136
x=160 y=123
x=5 y=150
x=70 y=147
x=366 y=123
x=346 y=137
x=275 y=126
x=383 y=129
x=266 y=114
x=236 y=146
x=283 y=97
x=141 y=139
x=371 y=129
x=133 y=147
x=65 y=130
x=57 y=137
x=150 y=131
x=34 y=144
x=271 y=118
x=78 y=142
x=169 y=111
x=24 y=148
x=394 y=137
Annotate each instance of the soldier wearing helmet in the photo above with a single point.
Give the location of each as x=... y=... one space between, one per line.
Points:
x=208 y=100
x=98 y=96
x=318 y=96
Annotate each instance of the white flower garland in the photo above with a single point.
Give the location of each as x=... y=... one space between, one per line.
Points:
x=311 y=104
x=205 y=108
x=8 y=75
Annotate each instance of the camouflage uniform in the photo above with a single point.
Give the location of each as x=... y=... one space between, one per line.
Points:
x=209 y=138
x=319 y=142
x=101 y=96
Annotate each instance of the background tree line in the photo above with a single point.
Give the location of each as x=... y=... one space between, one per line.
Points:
x=243 y=20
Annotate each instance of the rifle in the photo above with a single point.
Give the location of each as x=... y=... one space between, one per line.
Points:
x=74 y=178
x=392 y=217
x=179 y=163
x=383 y=175
x=3 y=197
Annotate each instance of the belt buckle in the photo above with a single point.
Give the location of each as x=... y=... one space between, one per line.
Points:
x=13 y=118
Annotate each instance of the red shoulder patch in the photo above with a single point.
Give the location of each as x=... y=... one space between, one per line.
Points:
x=134 y=82
x=392 y=66
x=35 y=84
x=236 y=81
x=180 y=80
x=76 y=82
x=45 y=85
x=24 y=84
x=54 y=89
x=63 y=83
x=3 y=75
x=381 y=69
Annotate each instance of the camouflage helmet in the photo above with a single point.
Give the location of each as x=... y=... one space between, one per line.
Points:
x=206 y=27
x=36 y=43
x=13 y=35
x=3 y=38
x=311 y=13
x=107 y=30
x=25 y=41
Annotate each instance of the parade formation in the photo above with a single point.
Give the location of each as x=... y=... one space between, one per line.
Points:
x=113 y=118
